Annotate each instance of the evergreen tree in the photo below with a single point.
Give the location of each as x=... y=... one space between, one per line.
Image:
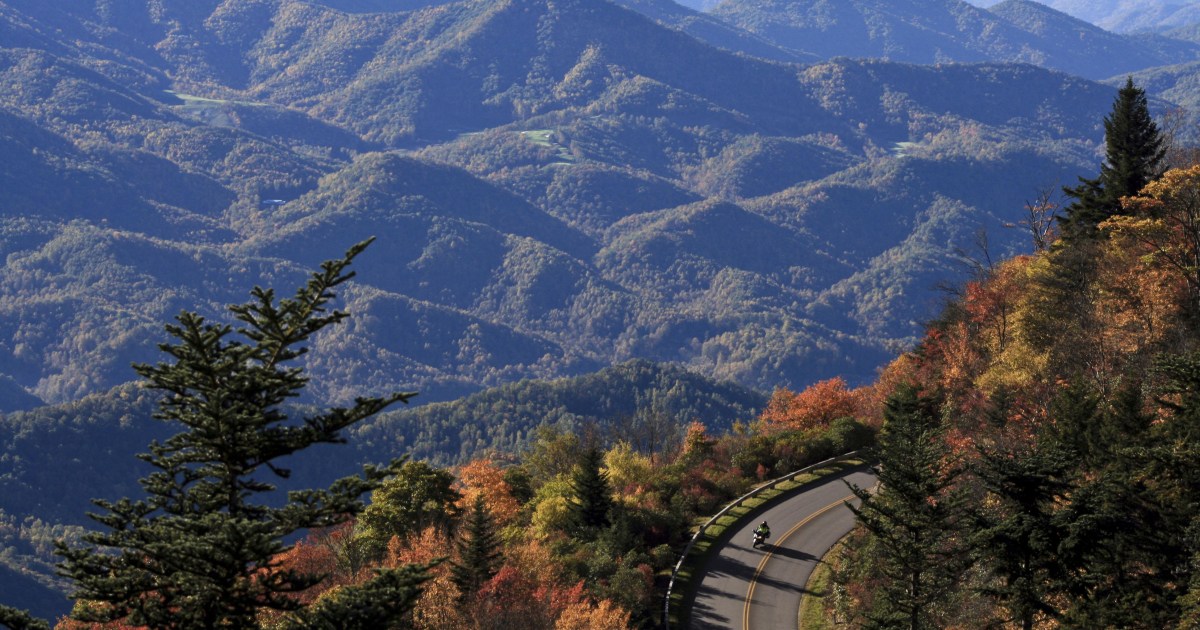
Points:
x=1123 y=549
x=200 y=550
x=914 y=515
x=1015 y=534
x=478 y=550
x=1061 y=319
x=1108 y=551
x=1134 y=157
x=1075 y=425
x=593 y=497
x=1173 y=472
x=20 y=620
x=1126 y=424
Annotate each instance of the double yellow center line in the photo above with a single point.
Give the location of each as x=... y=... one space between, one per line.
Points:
x=763 y=563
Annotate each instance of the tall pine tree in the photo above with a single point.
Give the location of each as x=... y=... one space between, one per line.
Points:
x=478 y=551
x=1176 y=473
x=199 y=551
x=1121 y=551
x=1015 y=534
x=914 y=515
x=593 y=496
x=14 y=619
x=1134 y=156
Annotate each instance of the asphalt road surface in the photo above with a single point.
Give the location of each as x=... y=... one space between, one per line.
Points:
x=746 y=588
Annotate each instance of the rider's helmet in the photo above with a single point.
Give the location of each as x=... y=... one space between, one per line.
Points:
x=764 y=523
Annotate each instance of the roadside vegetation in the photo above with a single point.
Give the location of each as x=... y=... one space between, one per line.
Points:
x=1039 y=450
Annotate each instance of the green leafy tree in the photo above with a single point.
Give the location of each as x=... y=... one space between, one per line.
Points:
x=1134 y=157
x=478 y=550
x=418 y=496
x=200 y=551
x=913 y=516
x=553 y=452
x=593 y=496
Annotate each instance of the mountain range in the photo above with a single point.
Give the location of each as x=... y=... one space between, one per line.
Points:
x=556 y=187
x=1132 y=15
x=944 y=31
x=1124 y=16
x=722 y=202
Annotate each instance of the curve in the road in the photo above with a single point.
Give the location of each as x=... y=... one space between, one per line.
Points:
x=771 y=554
x=741 y=586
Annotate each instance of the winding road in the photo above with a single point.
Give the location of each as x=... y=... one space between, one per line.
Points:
x=746 y=588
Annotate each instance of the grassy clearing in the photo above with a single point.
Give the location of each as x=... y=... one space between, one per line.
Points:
x=542 y=138
x=685 y=584
x=199 y=102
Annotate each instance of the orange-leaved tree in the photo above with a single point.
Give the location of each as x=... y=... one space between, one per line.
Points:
x=482 y=477
x=818 y=405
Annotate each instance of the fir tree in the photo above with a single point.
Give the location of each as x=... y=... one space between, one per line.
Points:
x=1075 y=412
x=1124 y=550
x=913 y=517
x=1015 y=534
x=200 y=551
x=20 y=620
x=478 y=550
x=593 y=497
x=1134 y=157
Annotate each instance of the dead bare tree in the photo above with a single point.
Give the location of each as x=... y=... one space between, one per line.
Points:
x=1040 y=219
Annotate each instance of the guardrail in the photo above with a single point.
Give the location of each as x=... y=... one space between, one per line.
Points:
x=737 y=502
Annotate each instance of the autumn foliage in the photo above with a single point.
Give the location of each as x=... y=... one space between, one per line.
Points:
x=71 y=624
x=1064 y=388
x=815 y=407
x=484 y=477
x=529 y=592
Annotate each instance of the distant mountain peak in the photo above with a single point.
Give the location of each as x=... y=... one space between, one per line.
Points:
x=1125 y=16
x=937 y=31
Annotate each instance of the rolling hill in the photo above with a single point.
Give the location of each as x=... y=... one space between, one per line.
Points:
x=556 y=187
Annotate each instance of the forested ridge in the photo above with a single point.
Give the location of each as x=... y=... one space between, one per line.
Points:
x=567 y=518
x=623 y=190
x=599 y=231
x=56 y=459
x=1039 y=447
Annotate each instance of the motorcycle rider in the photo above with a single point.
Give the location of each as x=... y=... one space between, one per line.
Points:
x=762 y=533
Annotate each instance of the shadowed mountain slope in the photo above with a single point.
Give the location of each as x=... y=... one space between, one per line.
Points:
x=555 y=186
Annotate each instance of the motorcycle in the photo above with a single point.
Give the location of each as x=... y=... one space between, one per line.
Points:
x=759 y=538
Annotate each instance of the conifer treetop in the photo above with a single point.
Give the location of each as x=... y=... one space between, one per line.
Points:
x=200 y=550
